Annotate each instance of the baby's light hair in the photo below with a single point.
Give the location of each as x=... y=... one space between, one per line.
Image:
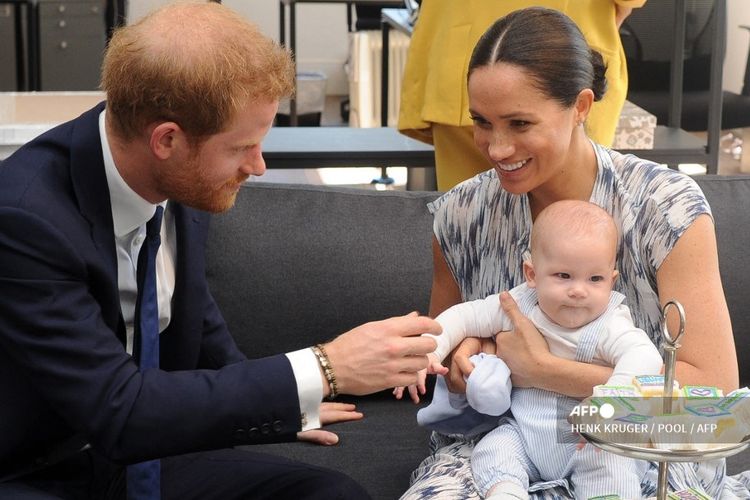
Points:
x=572 y=219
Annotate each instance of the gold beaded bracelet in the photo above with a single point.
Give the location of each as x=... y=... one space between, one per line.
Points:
x=325 y=364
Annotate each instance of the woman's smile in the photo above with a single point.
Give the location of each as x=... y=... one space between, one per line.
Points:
x=510 y=167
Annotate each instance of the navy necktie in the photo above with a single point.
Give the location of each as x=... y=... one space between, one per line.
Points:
x=143 y=479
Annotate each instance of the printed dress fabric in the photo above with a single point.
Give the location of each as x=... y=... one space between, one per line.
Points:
x=484 y=234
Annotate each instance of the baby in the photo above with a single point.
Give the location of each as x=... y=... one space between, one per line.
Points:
x=569 y=296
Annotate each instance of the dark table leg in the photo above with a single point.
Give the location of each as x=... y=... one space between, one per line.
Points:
x=384 y=63
x=385 y=30
x=32 y=25
x=21 y=77
x=293 y=47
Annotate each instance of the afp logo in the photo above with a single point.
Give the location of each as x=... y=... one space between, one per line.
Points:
x=604 y=411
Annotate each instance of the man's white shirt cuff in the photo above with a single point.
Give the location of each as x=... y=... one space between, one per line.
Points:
x=309 y=386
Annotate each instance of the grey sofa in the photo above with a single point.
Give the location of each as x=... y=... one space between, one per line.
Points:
x=294 y=265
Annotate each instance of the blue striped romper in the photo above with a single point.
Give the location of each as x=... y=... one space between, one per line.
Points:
x=536 y=444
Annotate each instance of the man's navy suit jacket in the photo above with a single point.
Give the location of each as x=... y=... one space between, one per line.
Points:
x=63 y=367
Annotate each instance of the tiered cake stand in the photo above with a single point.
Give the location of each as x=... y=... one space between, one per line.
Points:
x=663 y=456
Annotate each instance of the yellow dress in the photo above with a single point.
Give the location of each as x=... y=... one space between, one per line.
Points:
x=434 y=104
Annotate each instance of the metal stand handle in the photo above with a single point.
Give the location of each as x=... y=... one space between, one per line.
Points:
x=670 y=344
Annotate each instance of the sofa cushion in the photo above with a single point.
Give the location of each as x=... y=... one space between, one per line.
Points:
x=292 y=265
x=302 y=252
x=729 y=197
x=311 y=262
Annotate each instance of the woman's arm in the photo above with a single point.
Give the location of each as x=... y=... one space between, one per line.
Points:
x=445 y=292
x=690 y=275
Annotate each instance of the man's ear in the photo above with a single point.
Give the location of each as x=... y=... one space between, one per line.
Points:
x=165 y=138
x=529 y=273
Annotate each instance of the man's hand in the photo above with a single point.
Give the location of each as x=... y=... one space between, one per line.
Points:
x=382 y=354
x=434 y=368
x=523 y=349
x=330 y=413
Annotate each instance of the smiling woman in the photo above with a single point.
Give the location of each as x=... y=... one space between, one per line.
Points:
x=434 y=98
x=527 y=109
x=532 y=80
x=518 y=129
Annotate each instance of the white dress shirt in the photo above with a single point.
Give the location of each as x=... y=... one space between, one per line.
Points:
x=130 y=213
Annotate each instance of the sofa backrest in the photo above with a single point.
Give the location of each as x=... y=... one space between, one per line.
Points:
x=729 y=197
x=292 y=265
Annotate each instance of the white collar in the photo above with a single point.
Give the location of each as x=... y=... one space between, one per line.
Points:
x=129 y=210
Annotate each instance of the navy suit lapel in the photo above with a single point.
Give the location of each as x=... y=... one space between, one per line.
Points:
x=190 y=228
x=90 y=186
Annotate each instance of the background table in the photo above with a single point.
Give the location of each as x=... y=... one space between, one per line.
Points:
x=317 y=147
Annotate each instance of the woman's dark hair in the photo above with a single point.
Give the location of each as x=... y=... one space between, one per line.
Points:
x=550 y=47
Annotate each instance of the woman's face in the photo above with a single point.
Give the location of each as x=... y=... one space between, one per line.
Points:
x=526 y=135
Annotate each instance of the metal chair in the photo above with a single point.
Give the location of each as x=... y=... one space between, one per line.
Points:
x=647 y=39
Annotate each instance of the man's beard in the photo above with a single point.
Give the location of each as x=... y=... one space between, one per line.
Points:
x=189 y=186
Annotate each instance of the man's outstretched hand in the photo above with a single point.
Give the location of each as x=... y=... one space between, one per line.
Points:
x=382 y=354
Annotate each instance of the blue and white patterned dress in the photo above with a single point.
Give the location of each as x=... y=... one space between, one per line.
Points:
x=484 y=234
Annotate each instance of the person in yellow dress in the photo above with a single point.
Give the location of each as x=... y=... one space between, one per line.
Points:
x=434 y=104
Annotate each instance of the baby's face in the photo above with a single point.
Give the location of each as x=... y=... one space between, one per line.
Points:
x=573 y=279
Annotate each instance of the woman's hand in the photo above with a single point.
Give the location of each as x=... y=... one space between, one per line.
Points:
x=621 y=13
x=523 y=349
x=330 y=413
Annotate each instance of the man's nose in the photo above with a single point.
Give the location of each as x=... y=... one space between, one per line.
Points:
x=254 y=164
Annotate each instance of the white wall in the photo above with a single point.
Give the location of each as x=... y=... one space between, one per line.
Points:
x=738 y=42
x=322 y=38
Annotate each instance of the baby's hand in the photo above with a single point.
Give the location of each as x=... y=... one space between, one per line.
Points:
x=414 y=390
x=433 y=367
